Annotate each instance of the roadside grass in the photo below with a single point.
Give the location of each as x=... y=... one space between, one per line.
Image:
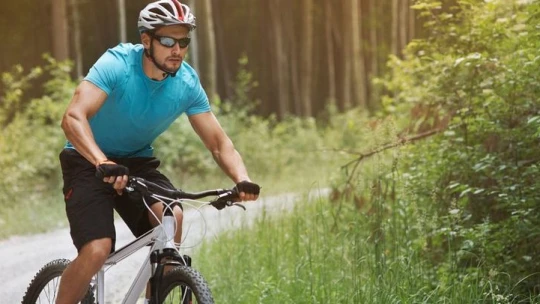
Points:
x=33 y=214
x=317 y=255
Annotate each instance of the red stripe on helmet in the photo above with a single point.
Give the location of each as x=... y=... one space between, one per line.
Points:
x=179 y=9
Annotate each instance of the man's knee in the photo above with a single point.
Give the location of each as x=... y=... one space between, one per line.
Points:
x=158 y=210
x=96 y=252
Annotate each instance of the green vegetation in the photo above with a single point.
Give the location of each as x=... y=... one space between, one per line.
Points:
x=451 y=218
x=316 y=256
x=480 y=177
x=30 y=141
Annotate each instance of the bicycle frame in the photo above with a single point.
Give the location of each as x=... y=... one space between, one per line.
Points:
x=155 y=236
x=163 y=264
x=161 y=238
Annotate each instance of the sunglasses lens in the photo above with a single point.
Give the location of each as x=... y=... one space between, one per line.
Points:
x=167 y=41
x=184 y=42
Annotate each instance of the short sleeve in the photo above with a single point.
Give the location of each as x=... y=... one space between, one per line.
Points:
x=107 y=71
x=199 y=100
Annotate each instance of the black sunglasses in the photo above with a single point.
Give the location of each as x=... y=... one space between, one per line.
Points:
x=169 y=42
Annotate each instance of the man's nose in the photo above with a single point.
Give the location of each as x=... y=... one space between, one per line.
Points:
x=176 y=48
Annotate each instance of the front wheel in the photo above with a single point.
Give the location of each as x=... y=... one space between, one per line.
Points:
x=183 y=285
x=44 y=286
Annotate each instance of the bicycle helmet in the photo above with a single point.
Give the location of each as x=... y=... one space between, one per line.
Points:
x=163 y=13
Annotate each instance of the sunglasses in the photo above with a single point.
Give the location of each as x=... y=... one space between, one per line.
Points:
x=169 y=42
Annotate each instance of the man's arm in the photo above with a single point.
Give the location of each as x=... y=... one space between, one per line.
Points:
x=222 y=148
x=84 y=104
x=86 y=101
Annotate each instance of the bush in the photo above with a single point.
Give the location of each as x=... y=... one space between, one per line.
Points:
x=30 y=135
x=479 y=77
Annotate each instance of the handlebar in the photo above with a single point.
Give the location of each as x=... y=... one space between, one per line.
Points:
x=225 y=197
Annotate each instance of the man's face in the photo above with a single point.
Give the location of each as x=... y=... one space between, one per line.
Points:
x=168 y=57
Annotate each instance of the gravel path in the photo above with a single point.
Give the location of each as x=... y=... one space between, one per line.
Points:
x=22 y=256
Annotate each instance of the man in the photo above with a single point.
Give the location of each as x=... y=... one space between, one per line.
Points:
x=130 y=96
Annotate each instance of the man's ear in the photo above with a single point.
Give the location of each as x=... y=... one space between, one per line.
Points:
x=146 y=40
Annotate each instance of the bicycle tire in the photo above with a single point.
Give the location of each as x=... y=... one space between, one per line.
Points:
x=184 y=276
x=50 y=274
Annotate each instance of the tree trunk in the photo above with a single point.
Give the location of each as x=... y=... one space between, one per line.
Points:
x=394 y=29
x=122 y=20
x=373 y=39
x=330 y=52
x=357 y=58
x=205 y=31
x=374 y=47
x=77 y=37
x=306 y=61
x=346 y=67
x=403 y=25
x=280 y=59
x=60 y=30
x=194 y=45
x=412 y=23
x=293 y=73
x=227 y=80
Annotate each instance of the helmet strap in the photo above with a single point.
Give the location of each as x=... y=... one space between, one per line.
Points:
x=150 y=54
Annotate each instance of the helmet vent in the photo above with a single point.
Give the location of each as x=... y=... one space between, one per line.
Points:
x=168 y=7
x=180 y=10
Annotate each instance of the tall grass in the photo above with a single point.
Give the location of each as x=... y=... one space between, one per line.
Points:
x=317 y=254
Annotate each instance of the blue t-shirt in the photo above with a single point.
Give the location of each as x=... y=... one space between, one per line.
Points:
x=138 y=109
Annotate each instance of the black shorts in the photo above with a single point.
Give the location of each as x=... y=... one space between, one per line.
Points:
x=90 y=201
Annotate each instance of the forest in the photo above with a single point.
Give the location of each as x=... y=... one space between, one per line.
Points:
x=422 y=117
x=318 y=48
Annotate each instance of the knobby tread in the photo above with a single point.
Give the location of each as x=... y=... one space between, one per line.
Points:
x=49 y=272
x=186 y=276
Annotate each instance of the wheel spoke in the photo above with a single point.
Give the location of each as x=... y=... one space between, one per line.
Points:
x=44 y=287
x=178 y=295
x=184 y=285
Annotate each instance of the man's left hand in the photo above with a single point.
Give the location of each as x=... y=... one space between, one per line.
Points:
x=247 y=190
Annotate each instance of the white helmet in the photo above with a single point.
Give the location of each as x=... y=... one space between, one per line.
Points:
x=165 y=12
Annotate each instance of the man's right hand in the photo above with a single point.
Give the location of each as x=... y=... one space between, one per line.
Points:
x=113 y=173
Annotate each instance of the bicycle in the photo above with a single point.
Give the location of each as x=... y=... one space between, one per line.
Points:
x=181 y=284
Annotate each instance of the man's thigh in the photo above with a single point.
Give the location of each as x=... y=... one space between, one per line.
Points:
x=89 y=201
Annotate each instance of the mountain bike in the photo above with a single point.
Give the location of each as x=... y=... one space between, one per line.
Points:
x=179 y=283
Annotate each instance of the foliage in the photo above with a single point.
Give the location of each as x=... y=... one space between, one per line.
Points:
x=30 y=140
x=477 y=75
x=32 y=137
x=15 y=83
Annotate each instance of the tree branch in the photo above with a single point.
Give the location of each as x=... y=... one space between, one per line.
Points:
x=401 y=141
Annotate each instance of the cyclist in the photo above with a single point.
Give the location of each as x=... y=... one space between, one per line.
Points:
x=129 y=97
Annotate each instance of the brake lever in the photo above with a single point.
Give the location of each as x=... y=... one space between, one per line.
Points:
x=226 y=200
x=135 y=182
x=239 y=205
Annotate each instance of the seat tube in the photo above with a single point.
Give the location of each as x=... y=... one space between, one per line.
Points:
x=100 y=284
